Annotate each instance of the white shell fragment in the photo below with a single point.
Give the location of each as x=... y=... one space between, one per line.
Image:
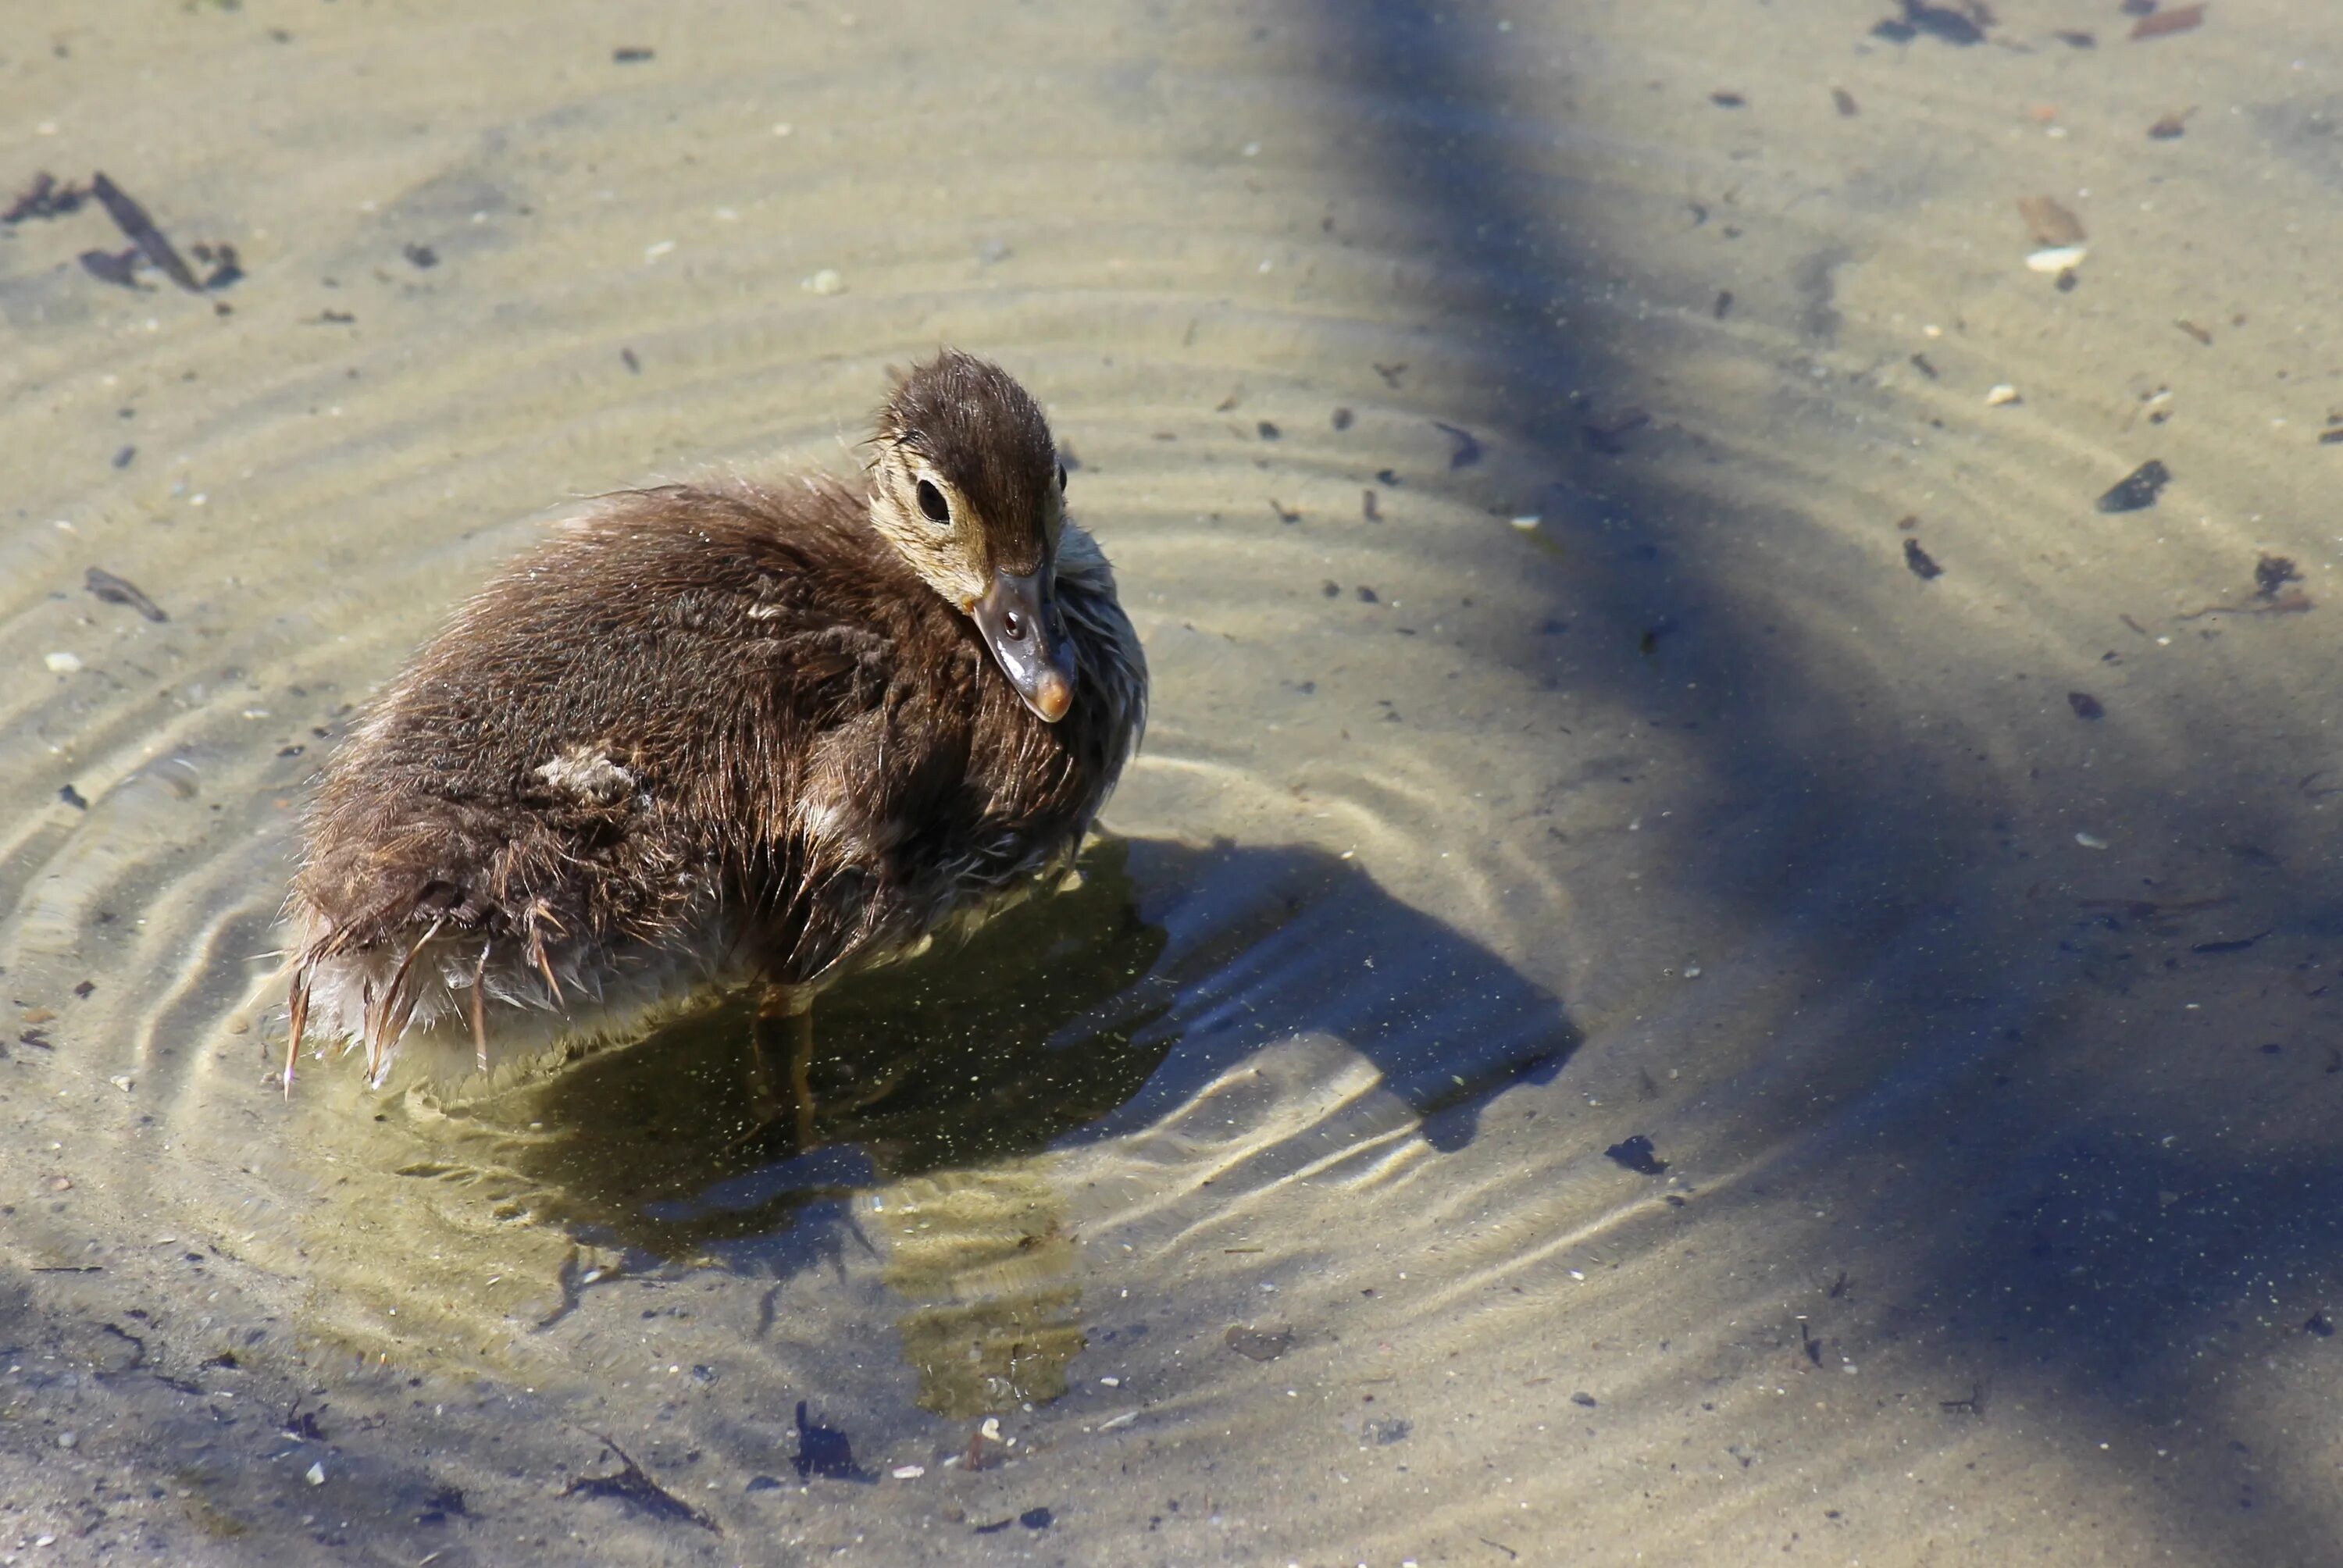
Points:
x=2001 y=395
x=2057 y=258
x=62 y=663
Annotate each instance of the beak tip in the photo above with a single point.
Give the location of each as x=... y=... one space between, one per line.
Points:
x=1054 y=697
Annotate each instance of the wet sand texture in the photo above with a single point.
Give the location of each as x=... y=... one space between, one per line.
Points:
x=1724 y=945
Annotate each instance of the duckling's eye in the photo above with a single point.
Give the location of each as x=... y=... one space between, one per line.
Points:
x=932 y=504
x=1062 y=477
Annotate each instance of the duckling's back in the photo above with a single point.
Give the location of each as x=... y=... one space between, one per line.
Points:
x=699 y=729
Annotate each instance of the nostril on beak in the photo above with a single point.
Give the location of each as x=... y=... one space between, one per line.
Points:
x=1012 y=625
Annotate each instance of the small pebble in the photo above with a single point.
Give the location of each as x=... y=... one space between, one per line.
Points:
x=826 y=281
x=62 y=663
x=2090 y=840
x=68 y=1439
x=2057 y=258
x=909 y=1471
x=2002 y=395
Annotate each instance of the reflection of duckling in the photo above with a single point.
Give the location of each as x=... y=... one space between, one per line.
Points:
x=787 y=729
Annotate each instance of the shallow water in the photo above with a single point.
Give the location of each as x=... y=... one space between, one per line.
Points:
x=1960 y=947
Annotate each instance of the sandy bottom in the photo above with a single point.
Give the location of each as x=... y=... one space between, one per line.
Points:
x=1724 y=947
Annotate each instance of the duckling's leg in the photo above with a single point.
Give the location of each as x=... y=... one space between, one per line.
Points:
x=786 y=1012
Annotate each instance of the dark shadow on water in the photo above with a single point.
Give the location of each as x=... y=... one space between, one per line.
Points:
x=2059 y=1246
x=1073 y=1016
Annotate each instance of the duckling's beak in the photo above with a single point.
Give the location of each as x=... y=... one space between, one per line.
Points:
x=1019 y=620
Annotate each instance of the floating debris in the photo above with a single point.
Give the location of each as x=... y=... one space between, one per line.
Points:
x=2200 y=334
x=2237 y=946
x=1610 y=437
x=1467 y=450
x=2272 y=573
x=119 y=267
x=1260 y=1344
x=1638 y=1154
x=111 y=590
x=1963 y=23
x=225 y=269
x=2051 y=222
x=636 y=1490
x=140 y=230
x=823 y=1451
x=2161 y=24
x=44 y=198
x=2137 y=491
x=1923 y=565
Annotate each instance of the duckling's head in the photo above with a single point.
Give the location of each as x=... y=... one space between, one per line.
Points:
x=968 y=487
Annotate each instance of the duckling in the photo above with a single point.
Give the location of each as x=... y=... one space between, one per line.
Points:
x=773 y=731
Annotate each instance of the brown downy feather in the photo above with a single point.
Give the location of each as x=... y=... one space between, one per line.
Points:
x=710 y=729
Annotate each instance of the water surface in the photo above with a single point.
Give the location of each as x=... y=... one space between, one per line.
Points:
x=1706 y=956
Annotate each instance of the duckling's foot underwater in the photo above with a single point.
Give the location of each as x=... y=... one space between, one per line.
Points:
x=774 y=732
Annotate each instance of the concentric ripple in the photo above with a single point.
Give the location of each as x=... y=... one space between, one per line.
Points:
x=1706 y=952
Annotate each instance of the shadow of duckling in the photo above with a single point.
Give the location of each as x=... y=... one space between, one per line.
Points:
x=1091 y=1012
